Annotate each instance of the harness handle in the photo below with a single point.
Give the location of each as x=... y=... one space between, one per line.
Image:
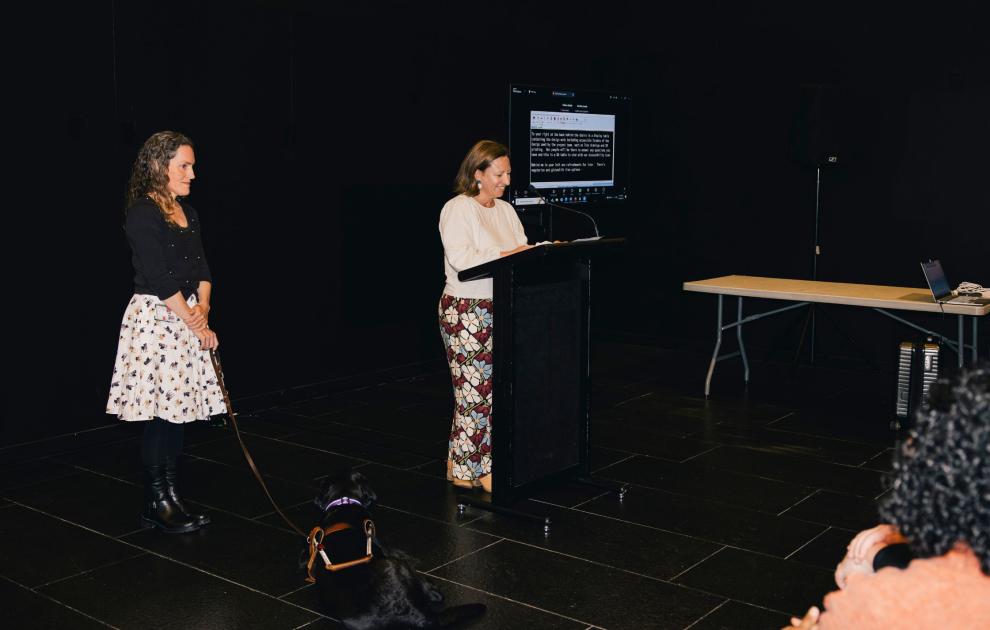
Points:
x=315 y=539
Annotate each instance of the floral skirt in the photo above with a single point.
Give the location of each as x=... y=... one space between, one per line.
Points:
x=160 y=370
x=466 y=328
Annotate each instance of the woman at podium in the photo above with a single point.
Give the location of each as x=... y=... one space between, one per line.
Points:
x=476 y=226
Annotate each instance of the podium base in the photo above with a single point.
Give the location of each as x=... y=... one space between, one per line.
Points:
x=466 y=498
x=611 y=486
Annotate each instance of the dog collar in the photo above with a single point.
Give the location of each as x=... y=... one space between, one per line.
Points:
x=342 y=501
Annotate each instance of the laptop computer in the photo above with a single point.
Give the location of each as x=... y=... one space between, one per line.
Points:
x=939 y=286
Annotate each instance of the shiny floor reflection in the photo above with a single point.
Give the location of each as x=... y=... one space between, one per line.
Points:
x=738 y=508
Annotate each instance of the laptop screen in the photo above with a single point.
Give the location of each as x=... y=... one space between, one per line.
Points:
x=936 y=279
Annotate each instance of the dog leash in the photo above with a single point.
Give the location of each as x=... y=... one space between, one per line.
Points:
x=317 y=534
x=215 y=358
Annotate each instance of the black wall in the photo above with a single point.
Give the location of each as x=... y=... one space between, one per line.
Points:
x=328 y=136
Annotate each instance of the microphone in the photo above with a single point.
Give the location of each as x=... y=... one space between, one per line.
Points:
x=533 y=189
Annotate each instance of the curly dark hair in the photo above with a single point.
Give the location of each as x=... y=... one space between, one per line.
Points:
x=940 y=494
x=149 y=175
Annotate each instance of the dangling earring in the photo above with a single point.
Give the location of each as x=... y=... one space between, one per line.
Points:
x=477 y=183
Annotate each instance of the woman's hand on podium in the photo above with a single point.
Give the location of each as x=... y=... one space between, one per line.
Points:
x=521 y=248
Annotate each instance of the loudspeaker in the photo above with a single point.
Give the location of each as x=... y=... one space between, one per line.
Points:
x=917 y=370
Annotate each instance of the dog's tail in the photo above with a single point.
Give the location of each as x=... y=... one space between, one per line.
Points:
x=458 y=616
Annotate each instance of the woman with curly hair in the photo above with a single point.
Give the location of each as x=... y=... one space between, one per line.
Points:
x=163 y=374
x=476 y=226
x=939 y=507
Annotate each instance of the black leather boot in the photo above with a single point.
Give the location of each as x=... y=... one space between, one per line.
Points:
x=159 y=509
x=171 y=483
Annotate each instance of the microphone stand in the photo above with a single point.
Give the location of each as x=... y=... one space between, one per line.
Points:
x=818 y=252
x=810 y=317
x=594 y=223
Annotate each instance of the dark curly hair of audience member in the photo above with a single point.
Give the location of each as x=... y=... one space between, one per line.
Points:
x=149 y=175
x=940 y=494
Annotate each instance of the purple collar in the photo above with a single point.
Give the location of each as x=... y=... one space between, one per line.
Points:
x=342 y=501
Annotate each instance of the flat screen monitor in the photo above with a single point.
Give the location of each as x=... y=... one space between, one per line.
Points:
x=573 y=146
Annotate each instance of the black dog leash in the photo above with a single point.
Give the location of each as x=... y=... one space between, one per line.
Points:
x=247 y=455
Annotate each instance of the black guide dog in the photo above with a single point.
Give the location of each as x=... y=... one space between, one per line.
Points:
x=363 y=584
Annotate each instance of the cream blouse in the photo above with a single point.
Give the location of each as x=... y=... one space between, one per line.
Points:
x=473 y=234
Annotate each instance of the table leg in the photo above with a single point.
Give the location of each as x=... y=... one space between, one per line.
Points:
x=962 y=341
x=976 y=345
x=718 y=346
x=742 y=348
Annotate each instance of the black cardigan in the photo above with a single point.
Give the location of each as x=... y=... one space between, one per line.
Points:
x=167 y=258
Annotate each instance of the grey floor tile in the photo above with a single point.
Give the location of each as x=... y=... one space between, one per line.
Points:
x=106 y=505
x=244 y=551
x=25 y=473
x=122 y=595
x=607 y=541
x=707 y=520
x=796 y=444
x=738 y=616
x=704 y=482
x=280 y=457
x=23 y=609
x=37 y=549
x=367 y=447
x=807 y=472
x=578 y=589
x=235 y=489
x=770 y=582
x=837 y=509
x=827 y=550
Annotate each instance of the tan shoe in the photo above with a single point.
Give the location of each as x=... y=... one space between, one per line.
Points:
x=460 y=483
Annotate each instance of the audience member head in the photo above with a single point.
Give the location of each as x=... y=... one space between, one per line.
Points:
x=150 y=174
x=478 y=158
x=941 y=490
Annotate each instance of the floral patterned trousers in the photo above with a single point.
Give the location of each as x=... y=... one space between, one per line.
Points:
x=466 y=328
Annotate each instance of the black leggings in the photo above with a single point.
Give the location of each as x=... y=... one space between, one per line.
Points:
x=161 y=439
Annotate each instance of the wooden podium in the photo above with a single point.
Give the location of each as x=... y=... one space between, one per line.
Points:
x=541 y=391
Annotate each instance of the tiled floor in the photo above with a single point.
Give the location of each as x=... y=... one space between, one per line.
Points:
x=739 y=507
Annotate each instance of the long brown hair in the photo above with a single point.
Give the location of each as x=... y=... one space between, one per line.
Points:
x=149 y=175
x=480 y=157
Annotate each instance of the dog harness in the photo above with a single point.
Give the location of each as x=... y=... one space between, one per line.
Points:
x=315 y=540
